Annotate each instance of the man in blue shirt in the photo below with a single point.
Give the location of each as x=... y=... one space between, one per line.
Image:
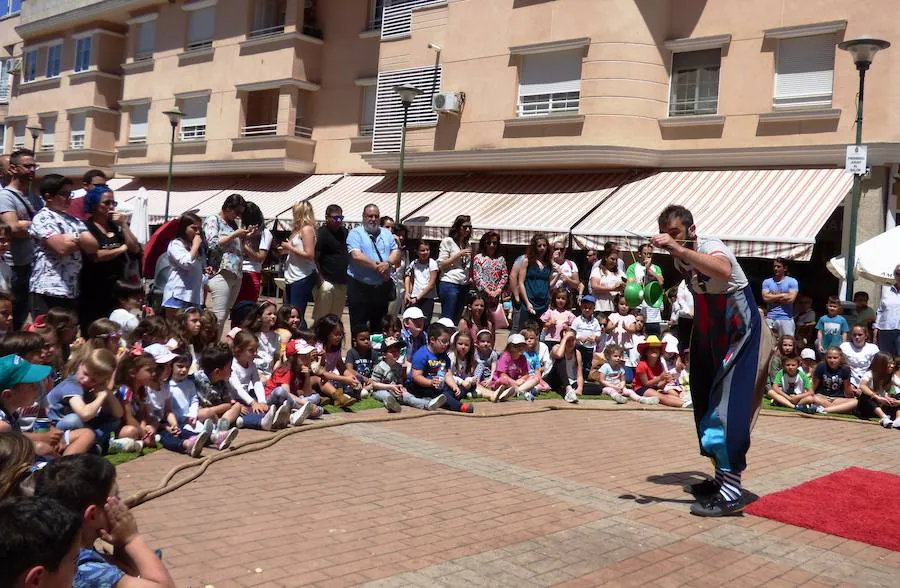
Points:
x=373 y=251
x=779 y=292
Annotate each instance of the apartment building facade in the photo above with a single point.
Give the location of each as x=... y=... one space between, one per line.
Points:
x=578 y=105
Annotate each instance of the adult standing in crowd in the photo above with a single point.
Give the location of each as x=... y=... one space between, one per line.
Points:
x=373 y=251
x=186 y=259
x=398 y=273
x=779 y=293
x=455 y=262
x=516 y=291
x=613 y=247
x=256 y=249
x=887 y=319
x=642 y=272
x=535 y=277
x=300 y=274
x=607 y=281
x=17 y=209
x=590 y=260
x=489 y=273
x=59 y=239
x=565 y=269
x=331 y=258
x=226 y=255
x=102 y=269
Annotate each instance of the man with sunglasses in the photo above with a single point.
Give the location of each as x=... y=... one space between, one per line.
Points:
x=331 y=258
x=17 y=209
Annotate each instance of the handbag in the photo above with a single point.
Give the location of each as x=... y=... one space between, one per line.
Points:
x=498 y=315
x=392 y=290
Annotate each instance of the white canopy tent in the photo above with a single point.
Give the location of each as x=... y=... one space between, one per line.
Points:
x=875 y=259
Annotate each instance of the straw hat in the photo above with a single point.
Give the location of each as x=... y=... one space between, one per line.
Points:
x=652 y=341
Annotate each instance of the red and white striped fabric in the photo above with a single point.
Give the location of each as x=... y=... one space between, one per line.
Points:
x=352 y=193
x=758 y=213
x=516 y=206
x=273 y=194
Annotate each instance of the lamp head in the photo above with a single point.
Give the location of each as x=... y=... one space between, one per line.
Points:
x=35 y=131
x=175 y=115
x=407 y=93
x=863 y=50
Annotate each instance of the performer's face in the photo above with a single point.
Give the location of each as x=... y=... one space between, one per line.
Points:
x=676 y=228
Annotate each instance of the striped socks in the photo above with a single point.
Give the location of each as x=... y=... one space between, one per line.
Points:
x=729 y=484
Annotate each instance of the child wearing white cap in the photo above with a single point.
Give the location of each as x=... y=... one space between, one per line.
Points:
x=512 y=370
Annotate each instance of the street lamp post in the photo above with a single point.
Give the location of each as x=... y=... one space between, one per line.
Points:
x=407 y=94
x=175 y=115
x=862 y=50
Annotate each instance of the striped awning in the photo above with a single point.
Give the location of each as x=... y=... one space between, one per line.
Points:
x=273 y=194
x=188 y=193
x=758 y=213
x=516 y=206
x=353 y=193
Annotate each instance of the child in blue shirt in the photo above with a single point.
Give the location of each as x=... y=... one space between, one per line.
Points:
x=430 y=373
x=832 y=329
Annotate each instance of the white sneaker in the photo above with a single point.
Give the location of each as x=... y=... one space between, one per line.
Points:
x=365 y=393
x=266 y=423
x=886 y=422
x=195 y=444
x=503 y=395
x=618 y=398
x=122 y=445
x=208 y=425
x=529 y=396
x=301 y=414
x=436 y=402
x=391 y=404
x=649 y=400
x=570 y=396
x=687 y=403
x=282 y=417
x=896 y=424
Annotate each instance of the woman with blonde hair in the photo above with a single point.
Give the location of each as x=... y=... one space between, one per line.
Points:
x=300 y=275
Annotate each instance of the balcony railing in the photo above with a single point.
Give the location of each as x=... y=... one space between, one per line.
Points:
x=45 y=147
x=259 y=130
x=193 y=132
x=301 y=131
x=547 y=104
x=19 y=144
x=137 y=140
x=76 y=142
x=198 y=45
x=266 y=32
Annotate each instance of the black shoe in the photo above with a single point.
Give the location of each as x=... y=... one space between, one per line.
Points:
x=718 y=506
x=702 y=489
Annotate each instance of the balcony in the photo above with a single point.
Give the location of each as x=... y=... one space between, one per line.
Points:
x=262 y=33
x=265 y=130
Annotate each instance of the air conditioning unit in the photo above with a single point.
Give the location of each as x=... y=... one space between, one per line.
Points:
x=449 y=102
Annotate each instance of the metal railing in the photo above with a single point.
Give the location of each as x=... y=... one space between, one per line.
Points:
x=193 y=132
x=266 y=32
x=545 y=104
x=76 y=142
x=137 y=140
x=301 y=131
x=198 y=45
x=45 y=147
x=260 y=130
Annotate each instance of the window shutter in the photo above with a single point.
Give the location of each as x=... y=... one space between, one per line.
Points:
x=711 y=58
x=804 y=72
x=48 y=138
x=201 y=26
x=389 y=108
x=194 y=110
x=77 y=123
x=5 y=80
x=138 y=121
x=146 y=40
x=368 y=113
x=396 y=19
x=19 y=134
x=548 y=73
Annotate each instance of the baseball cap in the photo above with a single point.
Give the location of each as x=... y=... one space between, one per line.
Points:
x=414 y=313
x=298 y=347
x=515 y=339
x=447 y=322
x=160 y=353
x=807 y=354
x=392 y=342
x=14 y=371
x=588 y=298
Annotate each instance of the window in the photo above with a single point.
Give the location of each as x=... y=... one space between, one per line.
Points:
x=145 y=40
x=48 y=137
x=261 y=113
x=695 y=82
x=8 y=7
x=5 y=80
x=19 y=134
x=388 y=123
x=367 y=116
x=76 y=132
x=201 y=26
x=29 y=69
x=804 y=71
x=2 y=138
x=268 y=18
x=193 y=125
x=137 y=124
x=83 y=54
x=376 y=10
x=54 y=59
x=550 y=83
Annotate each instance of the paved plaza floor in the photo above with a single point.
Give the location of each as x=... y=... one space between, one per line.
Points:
x=578 y=497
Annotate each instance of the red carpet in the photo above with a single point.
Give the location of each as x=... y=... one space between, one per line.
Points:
x=854 y=503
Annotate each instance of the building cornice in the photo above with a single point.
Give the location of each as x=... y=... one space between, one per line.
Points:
x=372 y=81
x=550 y=47
x=806 y=30
x=72 y=18
x=193 y=94
x=591 y=156
x=96 y=31
x=228 y=166
x=698 y=43
x=91 y=110
x=281 y=83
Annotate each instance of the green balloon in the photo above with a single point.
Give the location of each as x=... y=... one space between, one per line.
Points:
x=653 y=293
x=634 y=294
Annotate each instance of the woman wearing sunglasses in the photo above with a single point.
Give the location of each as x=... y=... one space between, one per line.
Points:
x=104 y=268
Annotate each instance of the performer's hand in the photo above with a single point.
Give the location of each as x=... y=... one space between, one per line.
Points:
x=665 y=241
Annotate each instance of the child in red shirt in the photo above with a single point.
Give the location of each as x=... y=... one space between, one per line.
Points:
x=650 y=375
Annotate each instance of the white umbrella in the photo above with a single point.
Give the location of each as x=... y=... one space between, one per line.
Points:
x=137 y=209
x=875 y=259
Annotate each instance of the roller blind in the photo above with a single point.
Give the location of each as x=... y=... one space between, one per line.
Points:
x=138 y=121
x=201 y=26
x=549 y=73
x=145 y=42
x=804 y=72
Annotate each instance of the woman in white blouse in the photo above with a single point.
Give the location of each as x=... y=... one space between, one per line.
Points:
x=455 y=263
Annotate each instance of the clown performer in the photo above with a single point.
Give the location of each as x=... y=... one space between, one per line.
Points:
x=725 y=348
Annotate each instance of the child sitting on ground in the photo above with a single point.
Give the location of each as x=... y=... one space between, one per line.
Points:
x=588 y=332
x=791 y=385
x=537 y=354
x=215 y=396
x=786 y=346
x=182 y=410
x=330 y=334
x=391 y=325
x=512 y=372
x=360 y=359
x=650 y=375
x=462 y=363
x=83 y=400
x=134 y=375
x=875 y=397
x=430 y=375
x=387 y=378
x=808 y=362
x=101 y=334
x=246 y=384
x=268 y=348
x=567 y=373
x=612 y=378
x=131 y=299
x=632 y=355
x=294 y=384
x=413 y=332
x=832 y=392
x=485 y=357
x=86 y=485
